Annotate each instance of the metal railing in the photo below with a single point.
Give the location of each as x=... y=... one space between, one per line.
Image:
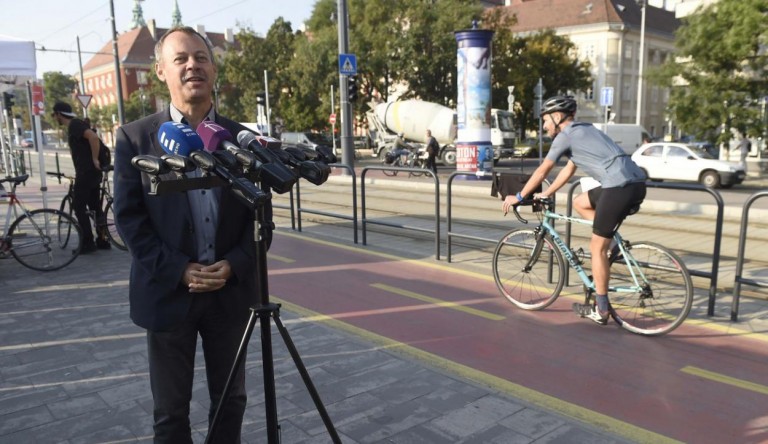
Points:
x=711 y=275
x=365 y=220
x=739 y=279
x=353 y=218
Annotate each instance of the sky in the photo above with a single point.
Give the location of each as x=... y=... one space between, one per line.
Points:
x=56 y=24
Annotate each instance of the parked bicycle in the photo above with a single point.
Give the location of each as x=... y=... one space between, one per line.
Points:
x=103 y=228
x=32 y=238
x=651 y=292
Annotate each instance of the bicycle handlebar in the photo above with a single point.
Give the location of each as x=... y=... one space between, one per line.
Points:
x=543 y=203
x=59 y=175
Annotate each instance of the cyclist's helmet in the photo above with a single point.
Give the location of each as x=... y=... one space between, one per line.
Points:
x=565 y=104
x=400 y=135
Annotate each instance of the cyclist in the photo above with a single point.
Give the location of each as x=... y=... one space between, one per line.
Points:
x=620 y=194
x=402 y=148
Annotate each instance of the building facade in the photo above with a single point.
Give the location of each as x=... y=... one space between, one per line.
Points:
x=607 y=33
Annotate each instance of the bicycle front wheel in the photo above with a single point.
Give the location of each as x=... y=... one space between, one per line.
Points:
x=35 y=241
x=666 y=296
x=529 y=271
x=64 y=231
x=112 y=233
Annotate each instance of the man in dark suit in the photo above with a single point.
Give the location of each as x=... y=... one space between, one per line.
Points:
x=193 y=254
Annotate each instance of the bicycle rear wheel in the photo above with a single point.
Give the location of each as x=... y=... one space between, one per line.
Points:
x=528 y=271
x=396 y=163
x=667 y=294
x=112 y=233
x=64 y=231
x=35 y=242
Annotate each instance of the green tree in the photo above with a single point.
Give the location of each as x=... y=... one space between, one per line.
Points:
x=718 y=73
x=58 y=87
x=241 y=73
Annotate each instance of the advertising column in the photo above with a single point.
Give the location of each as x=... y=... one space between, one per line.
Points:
x=474 y=152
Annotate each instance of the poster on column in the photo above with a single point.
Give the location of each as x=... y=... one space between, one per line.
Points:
x=473 y=107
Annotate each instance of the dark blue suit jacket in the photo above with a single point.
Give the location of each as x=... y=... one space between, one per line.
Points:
x=158 y=231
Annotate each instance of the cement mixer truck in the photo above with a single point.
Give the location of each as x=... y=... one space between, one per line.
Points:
x=414 y=117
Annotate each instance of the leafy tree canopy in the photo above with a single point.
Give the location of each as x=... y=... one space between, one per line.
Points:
x=719 y=73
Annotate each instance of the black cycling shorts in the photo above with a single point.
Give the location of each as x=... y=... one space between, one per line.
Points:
x=613 y=205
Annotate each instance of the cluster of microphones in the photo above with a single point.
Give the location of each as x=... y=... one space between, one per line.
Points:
x=254 y=159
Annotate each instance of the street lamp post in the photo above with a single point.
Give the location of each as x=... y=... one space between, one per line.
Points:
x=643 y=7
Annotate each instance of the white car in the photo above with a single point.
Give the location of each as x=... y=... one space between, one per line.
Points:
x=681 y=162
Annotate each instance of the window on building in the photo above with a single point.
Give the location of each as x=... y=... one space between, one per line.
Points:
x=655 y=94
x=628 y=50
x=141 y=77
x=589 y=94
x=589 y=52
x=111 y=98
x=90 y=84
x=102 y=82
x=626 y=92
x=109 y=80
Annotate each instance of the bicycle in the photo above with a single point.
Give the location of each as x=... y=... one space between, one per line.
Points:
x=416 y=159
x=654 y=292
x=107 y=227
x=31 y=239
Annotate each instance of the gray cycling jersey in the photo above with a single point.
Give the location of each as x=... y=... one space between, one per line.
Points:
x=596 y=154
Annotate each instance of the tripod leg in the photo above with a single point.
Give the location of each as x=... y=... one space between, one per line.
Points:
x=305 y=376
x=228 y=386
x=267 y=363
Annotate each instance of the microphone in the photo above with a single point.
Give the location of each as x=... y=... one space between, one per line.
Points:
x=274 y=173
x=215 y=136
x=314 y=172
x=177 y=138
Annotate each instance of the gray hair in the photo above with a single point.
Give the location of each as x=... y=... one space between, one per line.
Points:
x=186 y=30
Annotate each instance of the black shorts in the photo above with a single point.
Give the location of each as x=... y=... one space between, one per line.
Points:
x=613 y=205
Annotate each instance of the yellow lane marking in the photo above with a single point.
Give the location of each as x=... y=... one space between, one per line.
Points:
x=438 y=302
x=77 y=307
x=729 y=329
x=581 y=414
x=278 y=258
x=723 y=379
x=81 y=286
x=72 y=341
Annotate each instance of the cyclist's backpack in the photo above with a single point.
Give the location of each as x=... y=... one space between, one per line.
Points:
x=105 y=157
x=390 y=157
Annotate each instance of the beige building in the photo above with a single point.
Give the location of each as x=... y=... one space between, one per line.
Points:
x=607 y=34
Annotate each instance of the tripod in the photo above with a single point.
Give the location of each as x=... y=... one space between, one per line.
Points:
x=264 y=311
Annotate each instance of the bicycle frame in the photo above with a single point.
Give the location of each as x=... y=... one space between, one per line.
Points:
x=12 y=214
x=632 y=266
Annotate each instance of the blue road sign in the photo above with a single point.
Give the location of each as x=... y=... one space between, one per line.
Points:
x=347 y=64
x=606 y=96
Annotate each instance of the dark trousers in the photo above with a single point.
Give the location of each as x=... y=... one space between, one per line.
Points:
x=171 y=372
x=86 y=197
x=431 y=163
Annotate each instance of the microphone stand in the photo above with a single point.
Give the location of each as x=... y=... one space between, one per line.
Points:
x=263 y=312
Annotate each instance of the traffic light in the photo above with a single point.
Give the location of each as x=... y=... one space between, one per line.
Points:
x=352 y=88
x=9 y=100
x=261 y=98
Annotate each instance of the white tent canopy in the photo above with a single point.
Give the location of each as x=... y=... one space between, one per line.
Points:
x=18 y=64
x=17 y=59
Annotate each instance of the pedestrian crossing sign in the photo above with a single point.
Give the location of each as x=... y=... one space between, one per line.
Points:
x=347 y=64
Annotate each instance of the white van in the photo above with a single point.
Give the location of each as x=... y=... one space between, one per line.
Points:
x=626 y=135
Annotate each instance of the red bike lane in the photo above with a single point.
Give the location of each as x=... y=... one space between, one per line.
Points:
x=697 y=384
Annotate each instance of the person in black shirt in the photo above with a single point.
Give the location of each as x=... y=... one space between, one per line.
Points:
x=432 y=149
x=84 y=147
